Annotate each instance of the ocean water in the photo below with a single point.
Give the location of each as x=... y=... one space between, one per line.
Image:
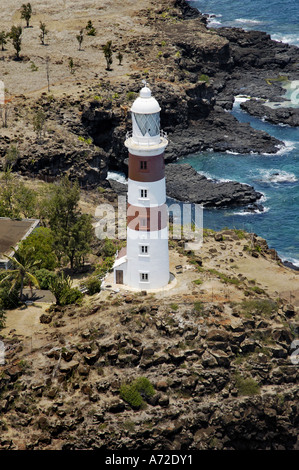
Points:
x=276 y=176
x=276 y=17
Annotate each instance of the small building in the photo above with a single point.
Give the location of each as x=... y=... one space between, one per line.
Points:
x=12 y=232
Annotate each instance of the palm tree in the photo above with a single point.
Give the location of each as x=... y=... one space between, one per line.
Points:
x=22 y=263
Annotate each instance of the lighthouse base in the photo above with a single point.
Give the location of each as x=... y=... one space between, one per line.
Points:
x=117 y=281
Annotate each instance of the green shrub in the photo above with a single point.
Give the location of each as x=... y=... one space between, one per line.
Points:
x=174 y=306
x=9 y=299
x=136 y=391
x=198 y=307
x=2 y=318
x=65 y=294
x=108 y=248
x=93 y=285
x=247 y=386
x=44 y=277
x=131 y=395
x=259 y=306
x=72 y=296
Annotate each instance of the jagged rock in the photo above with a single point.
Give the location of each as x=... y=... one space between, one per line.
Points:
x=161 y=385
x=163 y=401
x=289 y=311
x=221 y=357
x=217 y=335
x=208 y=360
x=68 y=367
x=115 y=406
x=248 y=345
x=278 y=351
x=44 y=318
x=195 y=188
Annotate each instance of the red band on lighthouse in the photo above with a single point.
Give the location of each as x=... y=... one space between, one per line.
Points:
x=146 y=168
x=147 y=218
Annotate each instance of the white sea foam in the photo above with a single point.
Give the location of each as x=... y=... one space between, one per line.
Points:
x=241 y=98
x=117 y=176
x=254 y=212
x=277 y=176
x=294 y=261
x=288 y=146
x=247 y=21
x=213 y=22
x=230 y=152
x=286 y=38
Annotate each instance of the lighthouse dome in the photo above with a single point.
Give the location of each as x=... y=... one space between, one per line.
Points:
x=145 y=103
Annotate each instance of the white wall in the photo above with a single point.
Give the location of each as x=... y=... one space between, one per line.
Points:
x=156 y=193
x=156 y=263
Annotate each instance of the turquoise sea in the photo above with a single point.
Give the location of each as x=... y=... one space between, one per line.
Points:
x=276 y=176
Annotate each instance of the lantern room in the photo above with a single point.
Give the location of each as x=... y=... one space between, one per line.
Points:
x=146 y=118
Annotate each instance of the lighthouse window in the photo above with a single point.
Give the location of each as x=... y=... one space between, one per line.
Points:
x=148 y=123
x=144 y=277
x=143 y=192
x=144 y=249
x=143 y=165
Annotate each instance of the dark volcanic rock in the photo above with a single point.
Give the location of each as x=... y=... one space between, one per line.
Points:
x=284 y=115
x=221 y=132
x=185 y=184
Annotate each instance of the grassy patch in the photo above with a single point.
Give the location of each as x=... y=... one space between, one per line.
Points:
x=136 y=391
x=224 y=278
x=197 y=282
x=246 y=387
x=174 y=307
x=258 y=306
x=198 y=307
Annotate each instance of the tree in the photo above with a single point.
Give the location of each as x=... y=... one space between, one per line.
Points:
x=107 y=50
x=3 y=39
x=43 y=32
x=91 y=31
x=16 y=36
x=21 y=273
x=40 y=244
x=80 y=38
x=16 y=199
x=119 y=58
x=71 y=65
x=48 y=71
x=39 y=120
x=26 y=12
x=2 y=318
x=73 y=231
x=64 y=293
x=11 y=157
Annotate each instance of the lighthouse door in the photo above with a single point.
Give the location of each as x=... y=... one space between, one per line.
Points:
x=119 y=276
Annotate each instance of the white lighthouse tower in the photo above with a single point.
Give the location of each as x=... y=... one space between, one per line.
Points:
x=146 y=263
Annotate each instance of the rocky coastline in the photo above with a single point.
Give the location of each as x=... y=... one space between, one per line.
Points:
x=194 y=71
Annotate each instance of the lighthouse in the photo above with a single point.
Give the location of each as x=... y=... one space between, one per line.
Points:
x=145 y=265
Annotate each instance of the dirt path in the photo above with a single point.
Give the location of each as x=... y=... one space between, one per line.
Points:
x=25 y=320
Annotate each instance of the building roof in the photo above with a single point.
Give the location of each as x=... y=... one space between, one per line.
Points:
x=14 y=231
